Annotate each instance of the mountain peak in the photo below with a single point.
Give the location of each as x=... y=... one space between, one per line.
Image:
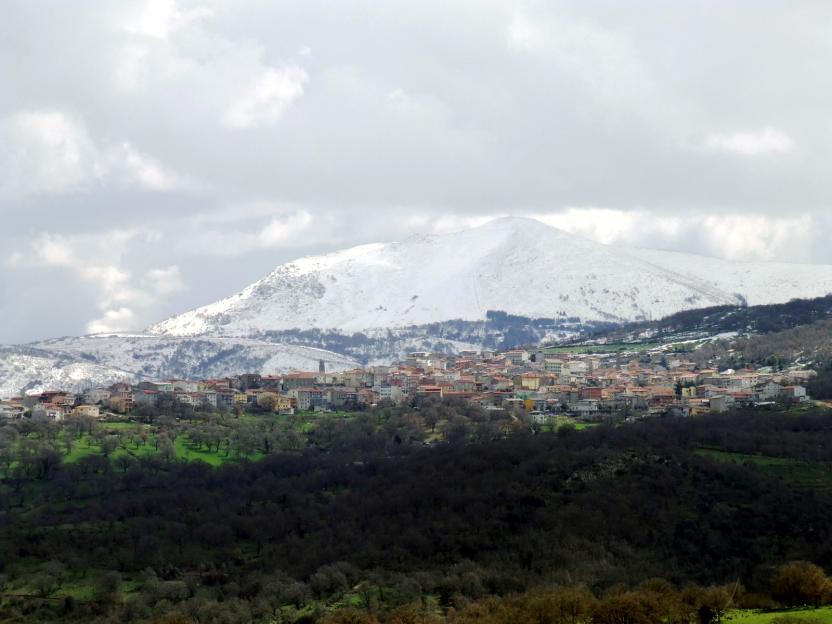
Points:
x=518 y=224
x=514 y=264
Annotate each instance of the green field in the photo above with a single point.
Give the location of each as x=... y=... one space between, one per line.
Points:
x=132 y=444
x=744 y=616
x=556 y=422
x=612 y=347
x=813 y=474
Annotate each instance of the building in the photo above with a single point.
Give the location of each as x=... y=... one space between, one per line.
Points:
x=87 y=411
x=96 y=396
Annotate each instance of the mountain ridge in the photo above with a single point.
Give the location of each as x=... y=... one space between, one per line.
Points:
x=519 y=266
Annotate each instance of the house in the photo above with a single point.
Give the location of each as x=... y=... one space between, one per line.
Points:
x=47 y=411
x=307 y=398
x=145 y=397
x=271 y=382
x=227 y=398
x=285 y=404
x=586 y=407
x=527 y=381
x=768 y=391
x=517 y=357
x=87 y=411
x=188 y=398
x=591 y=392
x=10 y=410
x=538 y=417
x=299 y=380
x=794 y=393
x=429 y=390
x=96 y=396
x=721 y=403
x=341 y=396
x=121 y=397
x=552 y=365
x=182 y=385
x=247 y=381
x=209 y=398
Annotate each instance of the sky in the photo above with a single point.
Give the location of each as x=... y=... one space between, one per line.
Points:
x=157 y=155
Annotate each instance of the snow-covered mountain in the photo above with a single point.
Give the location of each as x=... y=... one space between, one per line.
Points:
x=76 y=363
x=28 y=369
x=518 y=266
x=373 y=303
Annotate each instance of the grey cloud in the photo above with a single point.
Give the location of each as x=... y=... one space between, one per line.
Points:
x=377 y=120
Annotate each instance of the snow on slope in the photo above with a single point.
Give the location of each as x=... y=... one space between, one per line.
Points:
x=156 y=357
x=519 y=266
x=24 y=369
x=76 y=363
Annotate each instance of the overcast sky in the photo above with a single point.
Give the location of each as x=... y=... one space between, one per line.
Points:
x=157 y=155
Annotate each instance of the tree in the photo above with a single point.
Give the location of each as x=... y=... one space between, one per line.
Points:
x=165 y=446
x=106 y=589
x=799 y=583
x=267 y=401
x=109 y=443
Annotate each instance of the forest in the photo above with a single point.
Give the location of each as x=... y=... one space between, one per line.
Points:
x=675 y=519
x=758 y=319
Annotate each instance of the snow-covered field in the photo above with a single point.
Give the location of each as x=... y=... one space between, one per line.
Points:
x=75 y=363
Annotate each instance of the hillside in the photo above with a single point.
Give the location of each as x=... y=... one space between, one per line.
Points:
x=756 y=319
x=517 y=266
x=359 y=513
x=74 y=363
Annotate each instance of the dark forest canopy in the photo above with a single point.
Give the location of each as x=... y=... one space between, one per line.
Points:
x=300 y=534
x=758 y=319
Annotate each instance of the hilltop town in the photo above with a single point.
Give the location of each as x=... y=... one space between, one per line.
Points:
x=543 y=383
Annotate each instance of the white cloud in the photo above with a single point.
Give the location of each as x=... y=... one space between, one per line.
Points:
x=165 y=281
x=51 y=153
x=287 y=231
x=267 y=98
x=148 y=172
x=282 y=231
x=765 y=141
x=159 y=18
x=133 y=66
x=605 y=60
x=444 y=224
x=96 y=259
x=524 y=34
x=47 y=152
x=734 y=237
x=121 y=319
x=744 y=237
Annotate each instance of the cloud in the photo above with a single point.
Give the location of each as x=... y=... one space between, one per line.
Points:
x=96 y=259
x=121 y=319
x=286 y=231
x=165 y=281
x=214 y=125
x=765 y=141
x=159 y=18
x=730 y=236
x=444 y=224
x=146 y=171
x=267 y=98
x=604 y=61
x=524 y=34
x=50 y=152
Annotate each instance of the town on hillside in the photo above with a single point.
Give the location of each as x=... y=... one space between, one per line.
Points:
x=544 y=383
